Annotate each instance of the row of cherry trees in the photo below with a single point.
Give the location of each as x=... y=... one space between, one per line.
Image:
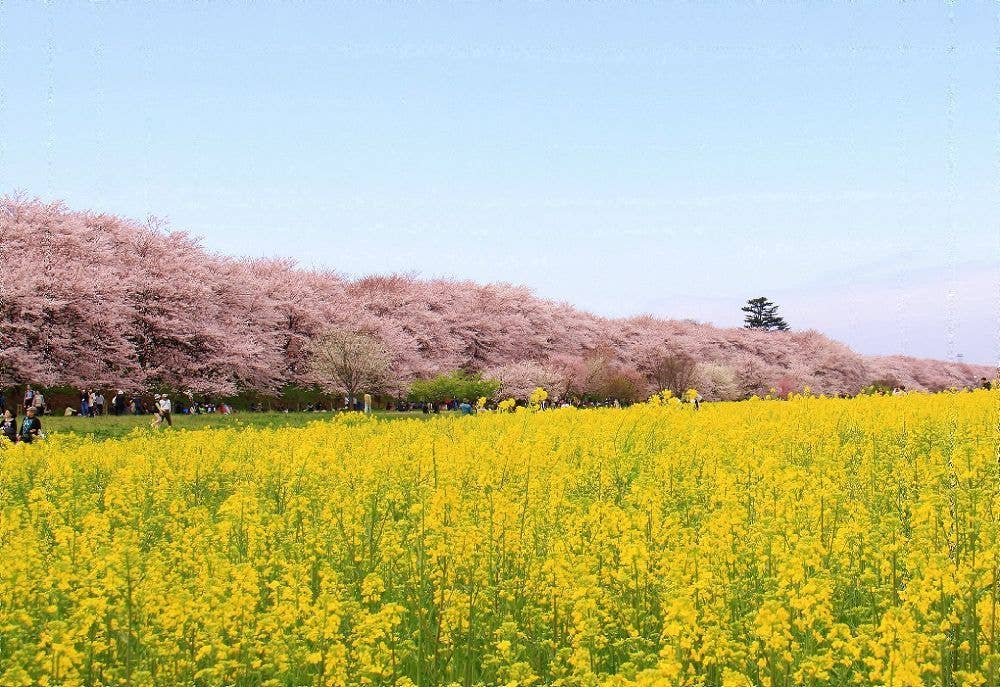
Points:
x=97 y=300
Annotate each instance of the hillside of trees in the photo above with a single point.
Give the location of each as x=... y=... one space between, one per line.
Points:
x=96 y=300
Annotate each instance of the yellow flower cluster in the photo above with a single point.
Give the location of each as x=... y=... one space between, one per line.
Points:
x=537 y=397
x=813 y=541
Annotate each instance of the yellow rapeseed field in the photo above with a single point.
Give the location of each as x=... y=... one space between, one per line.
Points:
x=812 y=541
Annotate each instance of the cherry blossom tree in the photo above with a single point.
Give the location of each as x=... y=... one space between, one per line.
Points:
x=718 y=382
x=518 y=380
x=672 y=370
x=349 y=362
x=61 y=318
x=91 y=299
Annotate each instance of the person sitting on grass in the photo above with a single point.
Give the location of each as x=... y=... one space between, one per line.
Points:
x=31 y=428
x=9 y=426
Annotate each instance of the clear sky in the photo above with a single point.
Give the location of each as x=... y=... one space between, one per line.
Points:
x=676 y=159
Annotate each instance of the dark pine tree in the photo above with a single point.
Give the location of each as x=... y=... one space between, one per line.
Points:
x=762 y=314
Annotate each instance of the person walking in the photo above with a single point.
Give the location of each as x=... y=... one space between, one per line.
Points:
x=163 y=405
x=31 y=428
x=368 y=404
x=29 y=397
x=157 y=418
x=85 y=404
x=38 y=403
x=98 y=407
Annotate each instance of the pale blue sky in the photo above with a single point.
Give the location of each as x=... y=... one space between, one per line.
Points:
x=677 y=159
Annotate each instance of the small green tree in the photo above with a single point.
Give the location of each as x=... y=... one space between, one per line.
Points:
x=453 y=385
x=762 y=314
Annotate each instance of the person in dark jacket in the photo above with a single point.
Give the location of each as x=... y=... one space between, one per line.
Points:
x=31 y=428
x=9 y=425
x=118 y=403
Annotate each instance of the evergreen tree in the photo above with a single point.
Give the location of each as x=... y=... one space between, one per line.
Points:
x=762 y=314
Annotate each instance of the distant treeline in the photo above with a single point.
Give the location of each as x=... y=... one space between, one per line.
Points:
x=95 y=300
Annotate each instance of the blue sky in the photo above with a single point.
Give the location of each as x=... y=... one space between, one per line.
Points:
x=677 y=159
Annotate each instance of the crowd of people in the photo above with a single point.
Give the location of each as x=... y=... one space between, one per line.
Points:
x=29 y=429
x=92 y=403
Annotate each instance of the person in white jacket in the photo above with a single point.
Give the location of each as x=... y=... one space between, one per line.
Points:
x=165 y=407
